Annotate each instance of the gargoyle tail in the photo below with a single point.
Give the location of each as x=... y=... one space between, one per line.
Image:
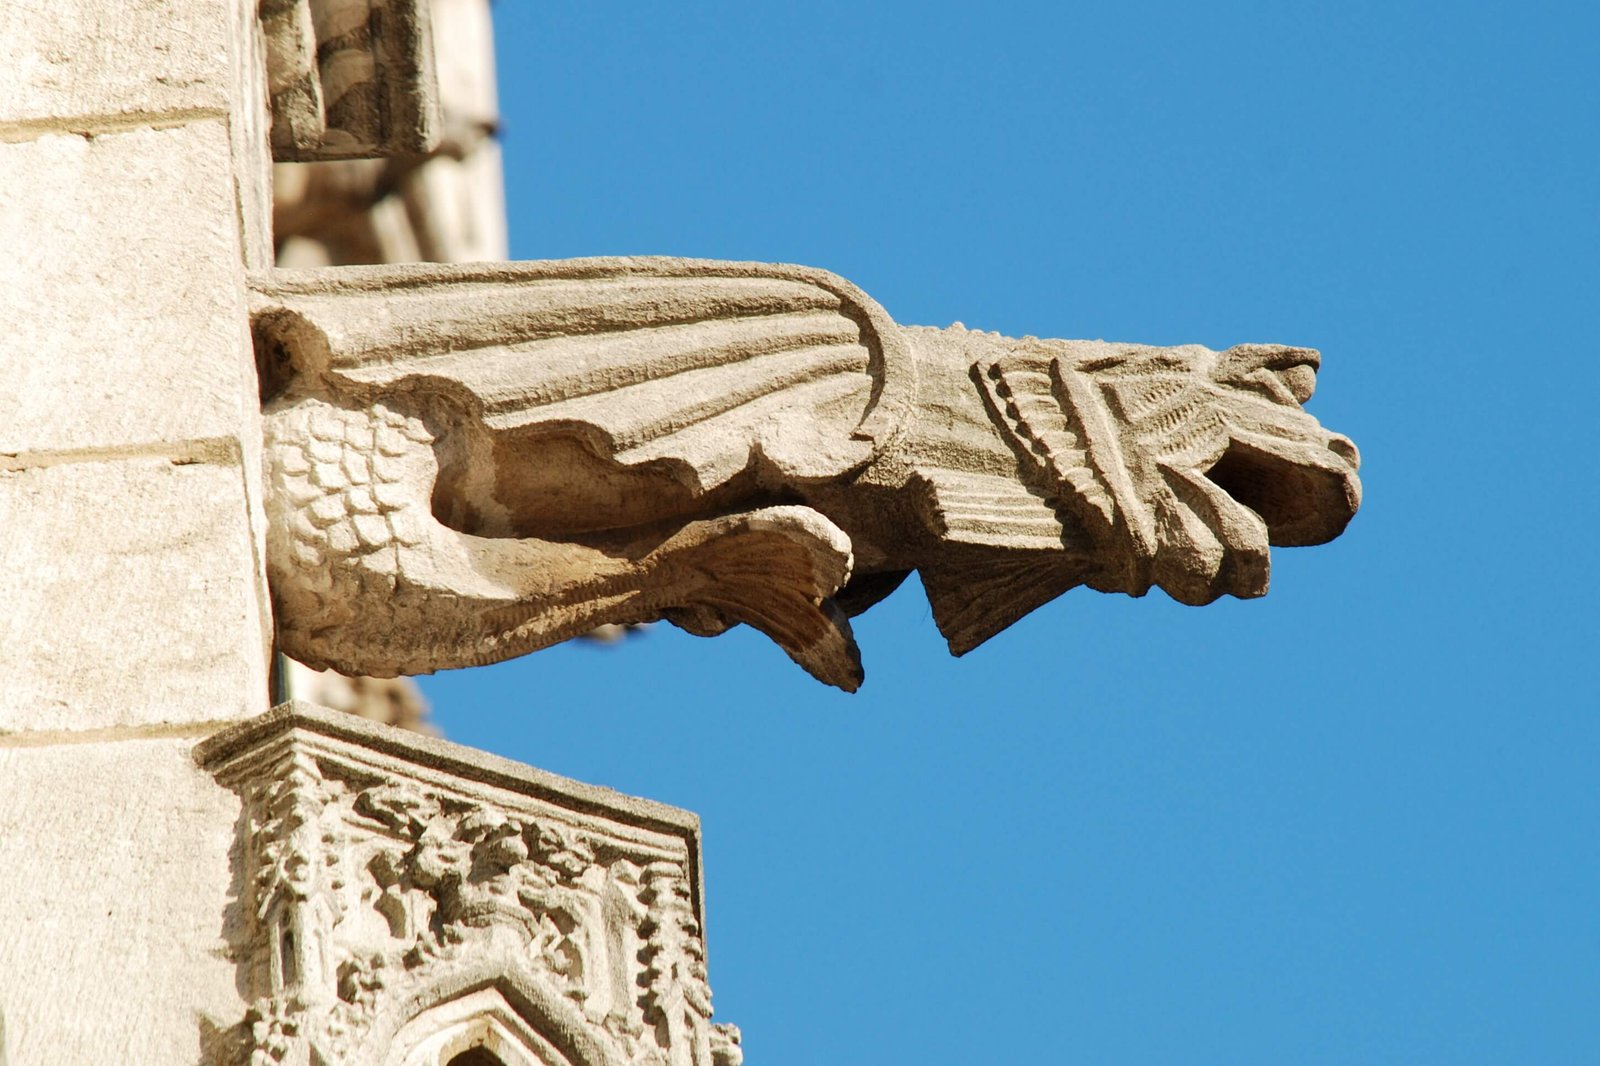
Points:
x=775 y=569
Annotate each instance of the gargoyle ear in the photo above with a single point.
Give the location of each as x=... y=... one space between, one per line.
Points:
x=977 y=592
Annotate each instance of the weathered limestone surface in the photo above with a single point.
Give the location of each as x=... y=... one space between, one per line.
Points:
x=90 y=65
x=132 y=586
x=250 y=123
x=129 y=595
x=469 y=463
x=130 y=504
x=114 y=876
x=124 y=288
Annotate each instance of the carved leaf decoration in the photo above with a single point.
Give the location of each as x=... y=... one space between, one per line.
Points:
x=1046 y=428
x=695 y=364
x=1168 y=418
x=975 y=597
x=593 y=919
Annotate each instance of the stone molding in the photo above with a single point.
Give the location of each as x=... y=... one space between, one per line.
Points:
x=384 y=879
x=350 y=79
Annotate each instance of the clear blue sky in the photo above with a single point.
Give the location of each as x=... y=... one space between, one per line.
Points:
x=1354 y=822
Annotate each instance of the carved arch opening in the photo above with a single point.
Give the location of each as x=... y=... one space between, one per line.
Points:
x=493 y=1018
x=477 y=1029
x=478 y=1056
x=481 y=1027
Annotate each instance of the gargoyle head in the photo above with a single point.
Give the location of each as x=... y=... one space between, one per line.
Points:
x=1209 y=457
x=1174 y=467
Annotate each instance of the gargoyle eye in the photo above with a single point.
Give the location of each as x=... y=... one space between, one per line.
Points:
x=1271 y=385
x=1283 y=374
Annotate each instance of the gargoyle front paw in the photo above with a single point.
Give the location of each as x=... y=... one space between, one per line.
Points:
x=775 y=569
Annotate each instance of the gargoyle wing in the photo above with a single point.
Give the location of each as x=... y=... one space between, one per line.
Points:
x=701 y=366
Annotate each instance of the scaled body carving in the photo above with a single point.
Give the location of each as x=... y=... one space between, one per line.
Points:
x=468 y=463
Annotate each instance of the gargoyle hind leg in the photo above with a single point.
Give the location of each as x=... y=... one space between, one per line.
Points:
x=367 y=580
x=774 y=569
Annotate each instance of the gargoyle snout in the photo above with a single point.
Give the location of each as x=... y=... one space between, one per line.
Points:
x=1346 y=449
x=1296 y=369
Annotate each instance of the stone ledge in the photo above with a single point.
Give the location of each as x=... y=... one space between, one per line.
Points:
x=224 y=748
x=113 y=60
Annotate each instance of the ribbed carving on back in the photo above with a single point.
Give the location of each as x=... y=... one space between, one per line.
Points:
x=1048 y=430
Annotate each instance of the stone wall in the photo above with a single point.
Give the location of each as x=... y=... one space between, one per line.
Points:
x=129 y=487
x=133 y=608
x=186 y=876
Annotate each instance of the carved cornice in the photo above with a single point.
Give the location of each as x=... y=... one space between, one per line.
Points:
x=382 y=875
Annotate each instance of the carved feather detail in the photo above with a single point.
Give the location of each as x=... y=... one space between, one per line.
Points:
x=974 y=598
x=987 y=509
x=1047 y=429
x=643 y=360
x=465 y=463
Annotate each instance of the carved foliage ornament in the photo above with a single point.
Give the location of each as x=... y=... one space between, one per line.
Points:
x=468 y=463
x=372 y=890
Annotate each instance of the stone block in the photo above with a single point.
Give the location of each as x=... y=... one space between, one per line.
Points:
x=126 y=319
x=114 y=59
x=130 y=596
x=115 y=879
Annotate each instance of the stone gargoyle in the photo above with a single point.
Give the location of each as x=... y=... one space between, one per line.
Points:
x=466 y=463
